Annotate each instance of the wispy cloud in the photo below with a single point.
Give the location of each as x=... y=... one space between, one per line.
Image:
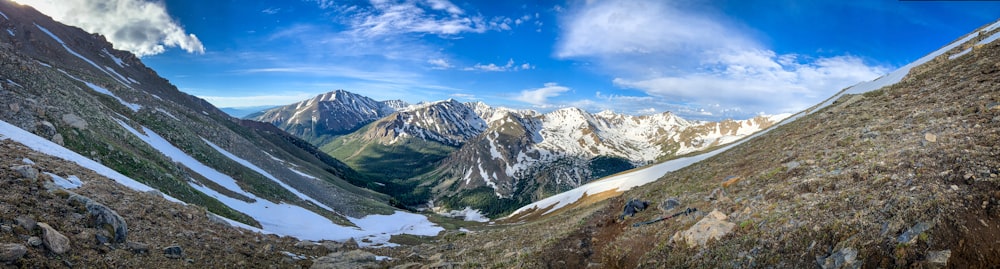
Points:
x=700 y=60
x=390 y=17
x=540 y=96
x=492 y=67
x=271 y=11
x=142 y=27
x=439 y=63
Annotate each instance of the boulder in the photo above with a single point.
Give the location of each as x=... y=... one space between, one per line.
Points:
x=137 y=248
x=350 y=259
x=938 y=259
x=713 y=226
x=53 y=239
x=843 y=258
x=45 y=129
x=74 y=121
x=34 y=241
x=173 y=252
x=104 y=217
x=12 y=252
x=26 y=222
x=26 y=171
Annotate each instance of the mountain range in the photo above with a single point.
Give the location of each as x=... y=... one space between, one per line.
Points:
x=106 y=164
x=493 y=159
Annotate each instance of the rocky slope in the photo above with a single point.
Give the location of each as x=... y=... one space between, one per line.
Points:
x=902 y=176
x=74 y=89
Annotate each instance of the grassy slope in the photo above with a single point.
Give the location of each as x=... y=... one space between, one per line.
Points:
x=866 y=173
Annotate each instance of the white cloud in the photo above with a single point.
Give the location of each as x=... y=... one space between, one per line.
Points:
x=142 y=27
x=492 y=67
x=439 y=63
x=700 y=60
x=392 y=17
x=540 y=96
x=271 y=11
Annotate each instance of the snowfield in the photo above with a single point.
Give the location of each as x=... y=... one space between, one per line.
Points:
x=286 y=219
x=281 y=219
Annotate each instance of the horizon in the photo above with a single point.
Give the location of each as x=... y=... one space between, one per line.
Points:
x=701 y=60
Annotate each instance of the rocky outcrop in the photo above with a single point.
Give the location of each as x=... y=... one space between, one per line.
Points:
x=53 y=239
x=103 y=217
x=711 y=227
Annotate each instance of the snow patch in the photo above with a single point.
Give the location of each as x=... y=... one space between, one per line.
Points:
x=303 y=174
x=4 y=15
x=468 y=214
x=989 y=39
x=15 y=83
x=8 y=131
x=117 y=60
x=133 y=106
x=43 y=64
x=257 y=169
x=11 y=32
x=71 y=51
x=963 y=52
x=167 y=113
x=70 y=182
x=291 y=220
x=27 y=161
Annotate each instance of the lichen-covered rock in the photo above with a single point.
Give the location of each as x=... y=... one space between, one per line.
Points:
x=53 y=239
x=12 y=252
x=713 y=226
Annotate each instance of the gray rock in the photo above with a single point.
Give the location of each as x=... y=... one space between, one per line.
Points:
x=34 y=241
x=104 y=217
x=26 y=222
x=58 y=139
x=27 y=171
x=216 y=219
x=74 y=121
x=12 y=252
x=137 y=247
x=332 y=246
x=911 y=234
x=792 y=165
x=156 y=193
x=843 y=258
x=173 y=252
x=14 y=108
x=350 y=259
x=711 y=227
x=670 y=204
x=53 y=239
x=46 y=129
x=938 y=259
x=7 y=228
x=306 y=244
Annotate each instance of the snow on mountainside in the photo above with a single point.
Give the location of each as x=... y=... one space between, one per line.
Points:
x=74 y=90
x=522 y=155
x=329 y=114
x=646 y=175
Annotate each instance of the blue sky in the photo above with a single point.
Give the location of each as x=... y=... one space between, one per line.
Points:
x=699 y=59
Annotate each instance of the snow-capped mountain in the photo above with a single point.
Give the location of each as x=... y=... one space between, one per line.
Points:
x=526 y=156
x=456 y=148
x=330 y=114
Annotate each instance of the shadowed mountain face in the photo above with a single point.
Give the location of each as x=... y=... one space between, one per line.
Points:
x=73 y=88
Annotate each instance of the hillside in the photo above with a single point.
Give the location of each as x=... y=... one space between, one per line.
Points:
x=900 y=176
x=73 y=90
